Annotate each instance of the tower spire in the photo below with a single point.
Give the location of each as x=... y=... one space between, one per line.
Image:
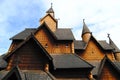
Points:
x=85 y=28
x=113 y=45
x=51 y=5
x=86 y=34
x=50 y=10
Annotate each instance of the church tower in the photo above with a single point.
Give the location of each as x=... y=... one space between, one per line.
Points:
x=50 y=11
x=86 y=34
x=49 y=19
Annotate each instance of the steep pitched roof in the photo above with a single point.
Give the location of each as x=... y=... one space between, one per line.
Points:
x=85 y=28
x=105 y=45
x=59 y=34
x=28 y=38
x=14 y=72
x=115 y=65
x=81 y=45
x=64 y=34
x=37 y=75
x=113 y=45
x=26 y=74
x=96 y=65
x=50 y=16
x=68 y=61
x=50 y=10
x=3 y=63
x=23 y=34
x=44 y=25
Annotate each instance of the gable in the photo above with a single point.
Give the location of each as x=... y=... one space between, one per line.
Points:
x=43 y=33
x=109 y=72
x=14 y=44
x=23 y=34
x=50 y=21
x=45 y=38
x=29 y=55
x=92 y=51
x=95 y=51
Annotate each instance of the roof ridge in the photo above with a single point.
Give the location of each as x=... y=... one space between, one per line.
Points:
x=101 y=40
x=64 y=28
x=30 y=28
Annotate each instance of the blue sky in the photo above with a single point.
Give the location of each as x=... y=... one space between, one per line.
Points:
x=101 y=16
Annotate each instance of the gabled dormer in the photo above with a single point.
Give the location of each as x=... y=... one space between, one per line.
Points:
x=49 y=19
x=86 y=34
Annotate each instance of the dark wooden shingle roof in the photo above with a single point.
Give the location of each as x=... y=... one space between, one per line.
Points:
x=60 y=34
x=105 y=45
x=64 y=34
x=50 y=10
x=85 y=29
x=96 y=65
x=117 y=65
x=3 y=63
x=67 y=61
x=81 y=45
x=31 y=37
x=36 y=75
x=26 y=74
x=113 y=45
x=23 y=34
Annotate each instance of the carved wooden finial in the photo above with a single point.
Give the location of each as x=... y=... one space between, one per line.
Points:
x=83 y=20
x=108 y=35
x=47 y=67
x=51 y=5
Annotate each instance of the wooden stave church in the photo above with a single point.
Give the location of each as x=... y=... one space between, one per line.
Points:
x=51 y=53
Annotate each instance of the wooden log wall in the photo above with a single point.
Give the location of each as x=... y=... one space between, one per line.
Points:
x=14 y=44
x=50 y=45
x=28 y=57
x=95 y=52
x=50 y=22
x=109 y=73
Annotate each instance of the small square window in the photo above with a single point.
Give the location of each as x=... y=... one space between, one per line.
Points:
x=46 y=45
x=56 y=45
x=66 y=45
